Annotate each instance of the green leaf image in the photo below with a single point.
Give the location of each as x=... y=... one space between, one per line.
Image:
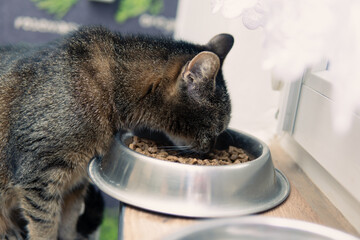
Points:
x=133 y=8
x=109 y=226
x=127 y=8
x=58 y=8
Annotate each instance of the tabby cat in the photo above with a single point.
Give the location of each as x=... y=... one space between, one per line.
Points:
x=61 y=104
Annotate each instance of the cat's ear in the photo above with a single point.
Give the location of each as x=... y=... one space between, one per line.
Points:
x=221 y=45
x=201 y=71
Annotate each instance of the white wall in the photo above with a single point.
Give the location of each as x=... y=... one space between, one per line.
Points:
x=254 y=102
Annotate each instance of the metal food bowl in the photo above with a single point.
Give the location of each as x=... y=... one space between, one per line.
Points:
x=258 y=228
x=191 y=190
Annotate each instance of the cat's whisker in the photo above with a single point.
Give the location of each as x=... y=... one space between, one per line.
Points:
x=230 y=136
x=186 y=151
x=182 y=153
x=179 y=150
x=165 y=147
x=173 y=147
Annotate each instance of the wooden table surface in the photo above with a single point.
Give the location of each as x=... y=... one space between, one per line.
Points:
x=305 y=202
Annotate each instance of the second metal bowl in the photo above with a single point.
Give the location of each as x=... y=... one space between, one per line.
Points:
x=258 y=228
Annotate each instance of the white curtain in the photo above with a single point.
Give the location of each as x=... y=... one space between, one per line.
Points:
x=300 y=33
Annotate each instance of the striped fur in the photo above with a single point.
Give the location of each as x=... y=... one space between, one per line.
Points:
x=61 y=104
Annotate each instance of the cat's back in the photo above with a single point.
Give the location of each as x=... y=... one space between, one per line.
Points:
x=20 y=66
x=49 y=87
x=9 y=54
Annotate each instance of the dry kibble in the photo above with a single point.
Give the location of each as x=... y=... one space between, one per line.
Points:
x=152 y=149
x=232 y=155
x=214 y=162
x=193 y=161
x=163 y=154
x=206 y=162
x=172 y=158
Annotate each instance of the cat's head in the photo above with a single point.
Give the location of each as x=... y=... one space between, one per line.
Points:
x=201 y=101
x=190 y=102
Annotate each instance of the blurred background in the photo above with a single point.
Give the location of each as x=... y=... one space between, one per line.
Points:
x=297 y=113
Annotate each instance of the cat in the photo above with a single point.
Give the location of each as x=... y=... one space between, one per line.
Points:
x=61 y=104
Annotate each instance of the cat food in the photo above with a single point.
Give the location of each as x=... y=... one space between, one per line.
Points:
x=232 y=155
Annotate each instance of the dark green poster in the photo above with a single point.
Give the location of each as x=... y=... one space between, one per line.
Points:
x=37 y=21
